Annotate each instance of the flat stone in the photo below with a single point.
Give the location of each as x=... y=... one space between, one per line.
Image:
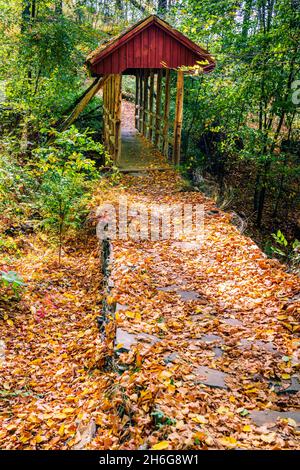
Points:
x=171 y=288
x=210 y=338
x=185 y=295
x=266 y=346
x=293 y=387
x=218 y=352
x=188 y=295
x=270 y=416
x=231 y=321
x=170 y=358
x=126 y=340
x=211 y=377
x=120 y=307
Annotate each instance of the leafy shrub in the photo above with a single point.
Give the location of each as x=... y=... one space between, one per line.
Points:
x=67 y=177
x=12 y=281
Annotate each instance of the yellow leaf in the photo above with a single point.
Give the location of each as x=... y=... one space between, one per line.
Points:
x=160 y=445
x=61 y=430
x=247 y=428
x=60 y=416
x=10 y=322
x=5 y=316
x=222 y=410
x=285 y=376
x=68 y=410
x=162 y=326
x=200 y=419
x=119 y=346
x=228 y=441
x=38 y=439
x=130 y=314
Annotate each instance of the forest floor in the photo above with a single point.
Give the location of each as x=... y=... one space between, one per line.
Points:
x=202 y=352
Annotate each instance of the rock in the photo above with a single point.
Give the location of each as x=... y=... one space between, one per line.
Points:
x=231 y=321
x=121 y=307
x=210 y=338
x=218 y=352
x=270 y=416
x=171 y=358
x=126 y=340
x=185 y=295
x=211 y=377
x=188 y=295
x=266 y=346
x=293 y=387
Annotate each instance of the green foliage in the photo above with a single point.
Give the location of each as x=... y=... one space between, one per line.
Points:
x=160 y=419
x=66 y=179
x=12 y=281
x=288 y=252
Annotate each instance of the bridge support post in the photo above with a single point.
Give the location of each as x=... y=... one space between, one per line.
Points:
x=178 y=117
x=158 y=110
x=166 y=115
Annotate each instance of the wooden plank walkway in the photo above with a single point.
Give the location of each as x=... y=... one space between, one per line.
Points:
x=137 y=153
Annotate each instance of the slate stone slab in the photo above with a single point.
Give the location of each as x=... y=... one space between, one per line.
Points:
x=210 y=338
x=293 y=387
x=121 y=307
x=170 y=358
x=270 y=416
x=266 y=346
x=231 y=321
x=127 y=340
x=185 y=295
x=218 y=352
x=211 y=377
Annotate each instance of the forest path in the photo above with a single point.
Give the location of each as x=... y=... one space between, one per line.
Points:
x=137 y=153
x=206 y=339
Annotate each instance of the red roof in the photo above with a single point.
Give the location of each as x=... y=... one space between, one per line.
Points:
x=150 y=44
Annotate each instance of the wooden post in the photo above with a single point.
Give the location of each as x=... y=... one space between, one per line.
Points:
x=151 y=96
x=117 y=116
x=158 y=109
x=141 y=113
x=104 y=112
x=178 y=118
x=137 y=95
x=93 y=89
x=145 y=103
x=166 y=115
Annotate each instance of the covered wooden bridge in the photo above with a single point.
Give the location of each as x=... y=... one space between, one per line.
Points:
x=149 y=50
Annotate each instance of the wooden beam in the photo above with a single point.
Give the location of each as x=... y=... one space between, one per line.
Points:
x=166 y=115
x=158 y=109
x=117 y=113
x=98 y=83
x=178 y=118
x=141 y=113
x=145 y=102
x=151 y=100
x=137 y=95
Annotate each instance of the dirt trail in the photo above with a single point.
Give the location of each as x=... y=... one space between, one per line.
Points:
x=204 y=334
x=206 y=340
